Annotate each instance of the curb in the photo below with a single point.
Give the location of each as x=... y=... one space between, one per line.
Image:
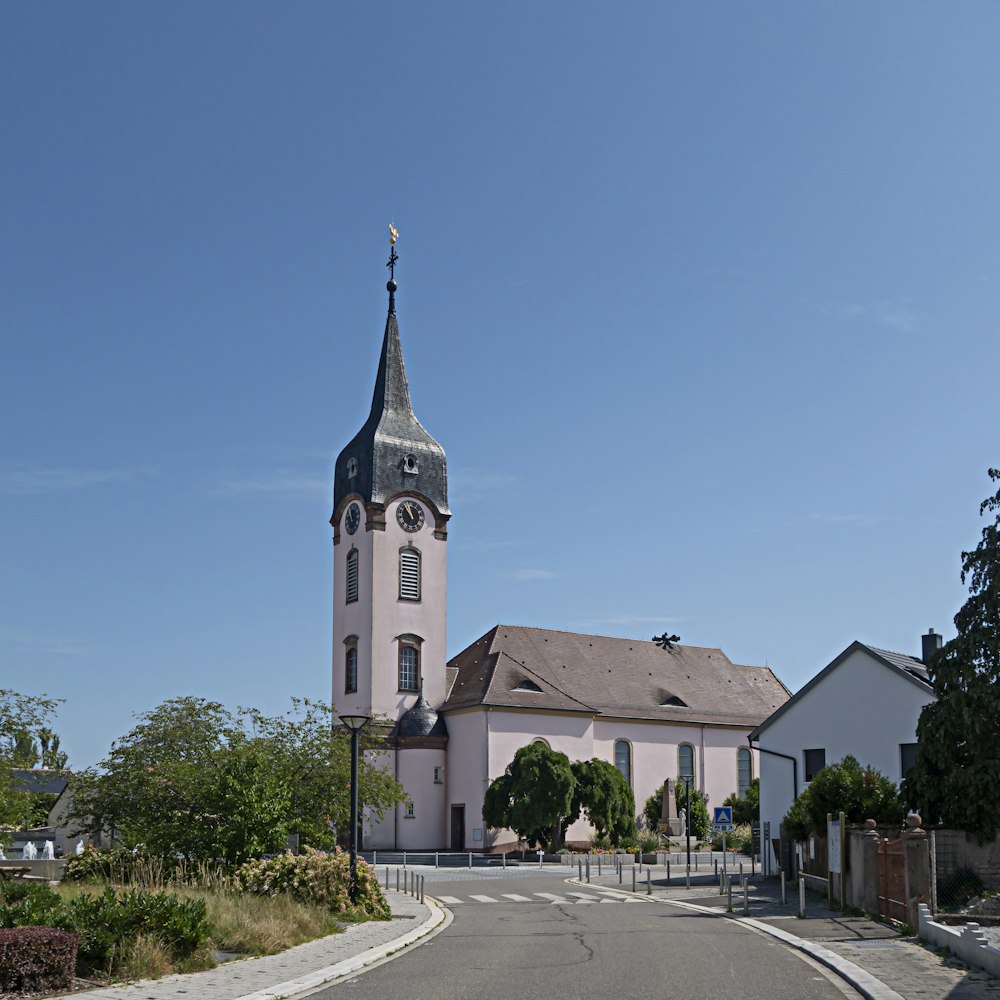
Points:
x=860 y=979
x=302 y=985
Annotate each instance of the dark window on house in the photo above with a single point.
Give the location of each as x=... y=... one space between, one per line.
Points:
x=815 y=761
x=685 y=761
x=907 y=757
x=623 y=759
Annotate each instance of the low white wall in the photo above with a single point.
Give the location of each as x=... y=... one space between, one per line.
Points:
x=968 y=942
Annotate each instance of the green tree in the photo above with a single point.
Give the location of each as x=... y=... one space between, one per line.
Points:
x=51 y=755
x=956 y=777
x=605 y=797
x=192 y=778
x=20 y=716
x=747 y=809
x=533 y=796
x=859 y=792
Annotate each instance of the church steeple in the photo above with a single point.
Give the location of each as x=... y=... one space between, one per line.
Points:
x=392 y=453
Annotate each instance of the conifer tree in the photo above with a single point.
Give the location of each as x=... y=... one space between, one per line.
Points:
x=956 y=777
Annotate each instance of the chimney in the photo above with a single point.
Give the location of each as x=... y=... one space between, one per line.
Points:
x=930 y=644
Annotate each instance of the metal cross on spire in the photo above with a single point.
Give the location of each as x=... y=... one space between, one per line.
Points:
x=393 y=256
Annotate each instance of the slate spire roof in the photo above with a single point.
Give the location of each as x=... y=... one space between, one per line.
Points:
x=532 y=668
x=392 y=453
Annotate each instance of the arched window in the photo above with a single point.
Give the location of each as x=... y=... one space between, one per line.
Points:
x=409 y=668
x=623 y=759
x=744 y=771
x=409 y=574
x=544 y=742
x=351 y=667
x=685 y=762
x=352 y=576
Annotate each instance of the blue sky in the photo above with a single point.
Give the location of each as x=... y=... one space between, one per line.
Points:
x=700 y=299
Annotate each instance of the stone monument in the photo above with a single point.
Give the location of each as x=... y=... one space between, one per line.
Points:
x=669 y=825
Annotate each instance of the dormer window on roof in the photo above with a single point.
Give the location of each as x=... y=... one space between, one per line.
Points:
x=410 y=465
x=675 y=702
x=527 y=685
x=352 y=468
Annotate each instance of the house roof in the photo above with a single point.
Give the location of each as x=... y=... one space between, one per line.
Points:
x=608 y=676
x=910 y=668
x=49 y=780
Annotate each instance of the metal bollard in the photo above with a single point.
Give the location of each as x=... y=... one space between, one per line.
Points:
x=696 y=862
x=436 y=860
x=397 y=880
x=374 y=858
x=729 y=895
x=722 y=884
x=620 y=867
x=404 y=859
x=599 y=872
x=633 y=878
x=386 y=878
x=802 y=898
x=586 y=867
x=668 y=873
x=649 y=883
x=784 y=897
x=716 y=867
x=579 y=869
x=470 y=859
x=687 y=878
x=741 y=870
x=541 y=856
x=421 y=888
x=746 y=898
x=505 y=859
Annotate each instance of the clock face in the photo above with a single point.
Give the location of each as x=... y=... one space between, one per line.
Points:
x=353 y=518
x=410 y=515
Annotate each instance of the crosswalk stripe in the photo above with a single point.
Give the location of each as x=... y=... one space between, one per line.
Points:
x=484 y=899
x=584 y=895
x=552 y=896
x=450 y=900
x=516 y=898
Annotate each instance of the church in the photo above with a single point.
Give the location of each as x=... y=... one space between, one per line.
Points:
x=654 y=711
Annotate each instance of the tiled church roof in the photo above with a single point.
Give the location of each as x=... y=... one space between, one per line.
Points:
x=623 y=678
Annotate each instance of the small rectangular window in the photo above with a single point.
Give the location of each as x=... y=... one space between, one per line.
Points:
x=351 y=671
x=815 y=761
x=907 y=757
x=409 y=810
x=438 y=775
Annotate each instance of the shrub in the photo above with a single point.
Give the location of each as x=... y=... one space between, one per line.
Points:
x=36 y=958
x=120 y=866
x=24 y=904
x=314 y=877
x=109 y=924
x=649 y=844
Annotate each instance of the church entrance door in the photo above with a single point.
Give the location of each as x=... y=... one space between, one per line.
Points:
x=457 y=828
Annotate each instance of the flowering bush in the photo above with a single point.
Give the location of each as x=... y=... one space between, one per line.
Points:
x=315 y=877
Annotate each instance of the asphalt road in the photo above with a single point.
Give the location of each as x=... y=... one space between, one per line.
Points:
x=502 y=949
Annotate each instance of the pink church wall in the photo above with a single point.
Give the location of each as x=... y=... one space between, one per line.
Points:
x=424 y=830
x=465 y=772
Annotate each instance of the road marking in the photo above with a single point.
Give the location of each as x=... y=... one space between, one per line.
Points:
x=584 y=896
x=552 y=896
x=483 y=899
x=450 y=900
x=516 y=898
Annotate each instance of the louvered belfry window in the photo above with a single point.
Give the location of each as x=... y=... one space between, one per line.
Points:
x=409 y=575
x=352 y=575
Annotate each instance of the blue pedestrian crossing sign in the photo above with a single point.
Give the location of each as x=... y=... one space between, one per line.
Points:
x=722 y=819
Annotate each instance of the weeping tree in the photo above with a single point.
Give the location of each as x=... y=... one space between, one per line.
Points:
x=605 y=797
x=956 y=777
x=533 y=797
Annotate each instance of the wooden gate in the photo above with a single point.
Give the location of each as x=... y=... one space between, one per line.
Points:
x=891 y=879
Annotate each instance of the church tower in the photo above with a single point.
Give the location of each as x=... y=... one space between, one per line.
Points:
x=390 y=516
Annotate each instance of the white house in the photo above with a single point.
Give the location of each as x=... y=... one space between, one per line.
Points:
x=655 y=713
x=865 y=703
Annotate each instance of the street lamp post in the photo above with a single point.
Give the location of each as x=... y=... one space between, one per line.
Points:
x=355 y=723
x=687 y=779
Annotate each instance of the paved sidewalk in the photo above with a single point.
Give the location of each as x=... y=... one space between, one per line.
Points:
x=881 y=963
x=299 y=970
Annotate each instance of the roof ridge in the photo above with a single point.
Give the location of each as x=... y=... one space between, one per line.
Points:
x=617 y=638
